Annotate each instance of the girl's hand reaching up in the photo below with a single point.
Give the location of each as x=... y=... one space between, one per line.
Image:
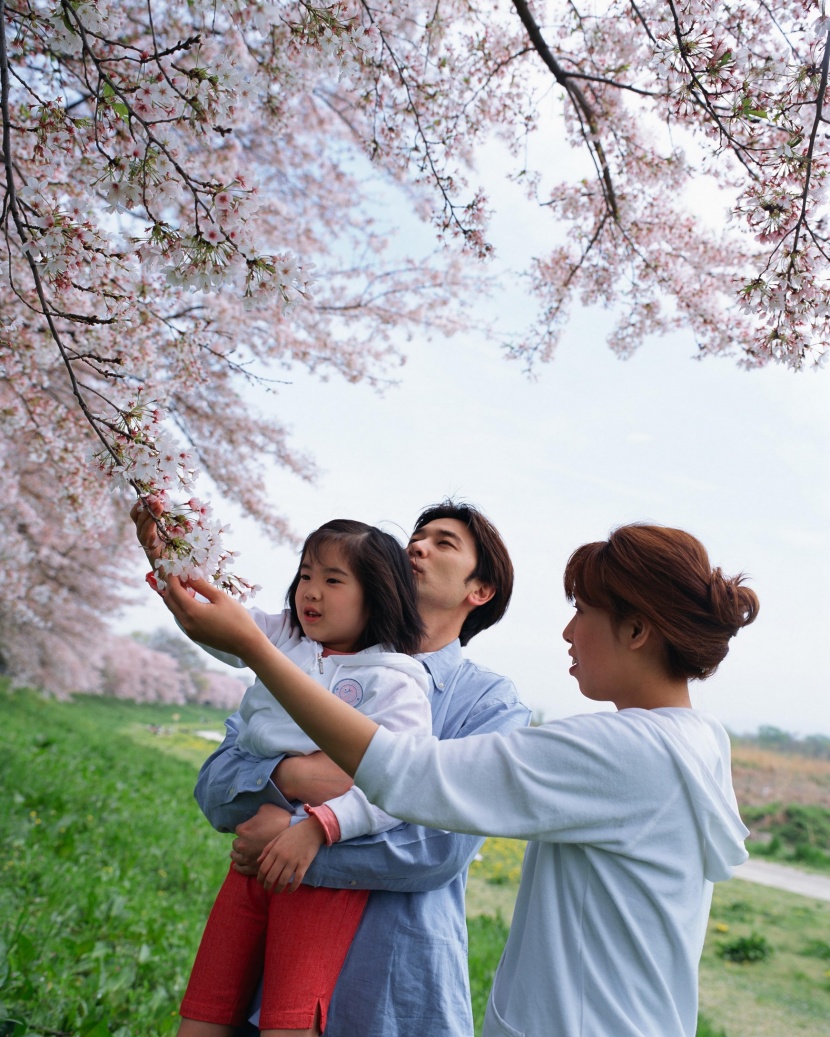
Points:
x=285 y=860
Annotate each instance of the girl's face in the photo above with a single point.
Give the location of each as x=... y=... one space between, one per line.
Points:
x=329 y=600
x=599 y=657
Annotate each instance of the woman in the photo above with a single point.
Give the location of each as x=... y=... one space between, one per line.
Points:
x=630 y=815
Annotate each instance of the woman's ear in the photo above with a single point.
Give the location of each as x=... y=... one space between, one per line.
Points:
x=638 y=632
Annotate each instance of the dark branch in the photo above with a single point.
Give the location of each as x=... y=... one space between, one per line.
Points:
x=578 y=98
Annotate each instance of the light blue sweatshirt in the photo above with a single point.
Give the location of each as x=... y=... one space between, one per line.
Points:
x=632 y=817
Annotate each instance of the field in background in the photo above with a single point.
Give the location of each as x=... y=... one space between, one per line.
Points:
x=761 y=777
x=109 y=871
x=786 y=991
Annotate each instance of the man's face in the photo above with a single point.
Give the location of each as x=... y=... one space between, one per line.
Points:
x=443 y=556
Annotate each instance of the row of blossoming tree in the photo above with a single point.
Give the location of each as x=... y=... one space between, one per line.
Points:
x=184 y=211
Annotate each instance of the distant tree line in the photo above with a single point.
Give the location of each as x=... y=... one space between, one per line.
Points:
x=816 y=747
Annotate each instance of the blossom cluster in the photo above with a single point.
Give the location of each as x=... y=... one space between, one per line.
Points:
x=766 y=107
x=338 y=34
x=143 y=455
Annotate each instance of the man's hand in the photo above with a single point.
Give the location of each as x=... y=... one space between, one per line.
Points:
x=254 y=835
x=285 y=860
x=312 y=779
x=146 y=529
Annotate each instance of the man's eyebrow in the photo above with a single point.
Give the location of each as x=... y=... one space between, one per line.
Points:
x=448 y=532
x=440 y=534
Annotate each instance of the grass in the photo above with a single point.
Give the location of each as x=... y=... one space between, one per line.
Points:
x=108 y=868
x=108 y=872
x=786 y=990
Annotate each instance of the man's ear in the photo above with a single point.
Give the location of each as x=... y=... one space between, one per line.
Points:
x=480 y=594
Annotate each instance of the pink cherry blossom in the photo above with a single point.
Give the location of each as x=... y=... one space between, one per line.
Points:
x=183 y=213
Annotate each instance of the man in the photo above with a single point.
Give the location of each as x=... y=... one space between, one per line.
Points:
x=406 y=972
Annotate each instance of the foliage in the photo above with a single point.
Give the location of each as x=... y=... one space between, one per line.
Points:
x=813 y=746
x=706 y=1029
x=500 y=861
x=808 y=825
x=109 y=870
x=817 y=949
x=797 y=832
x=487 y=936
x=788 y=991
x=174 y=169
x=745 y=949
x=186 y=654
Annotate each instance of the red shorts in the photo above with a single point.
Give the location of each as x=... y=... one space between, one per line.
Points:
x=296 y=941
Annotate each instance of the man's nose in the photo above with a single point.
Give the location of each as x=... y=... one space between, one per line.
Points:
x=416 y=549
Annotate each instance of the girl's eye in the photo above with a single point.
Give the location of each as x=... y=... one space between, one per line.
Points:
x=332 y=579
x=304 y=576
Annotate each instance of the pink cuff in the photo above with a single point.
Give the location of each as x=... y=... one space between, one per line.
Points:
x=328 y=821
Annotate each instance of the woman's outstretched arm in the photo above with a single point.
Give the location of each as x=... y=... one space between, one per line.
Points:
x=222 y=623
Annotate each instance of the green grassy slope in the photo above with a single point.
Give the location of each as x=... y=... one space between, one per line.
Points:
x=108 y=868
x=108 y=872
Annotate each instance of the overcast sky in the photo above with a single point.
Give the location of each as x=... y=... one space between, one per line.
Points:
x=738 y=458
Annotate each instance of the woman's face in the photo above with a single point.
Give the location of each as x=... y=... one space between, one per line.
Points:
x=597 y=652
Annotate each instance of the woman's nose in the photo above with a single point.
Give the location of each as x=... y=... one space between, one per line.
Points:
x=567 y=633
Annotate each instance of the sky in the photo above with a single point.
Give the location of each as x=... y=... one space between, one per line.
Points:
x=739 y=458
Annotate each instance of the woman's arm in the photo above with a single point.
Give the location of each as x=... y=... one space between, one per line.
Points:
x=549 y=783
x=222 y=623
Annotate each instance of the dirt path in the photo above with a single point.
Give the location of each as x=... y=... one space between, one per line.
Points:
x=780 y=876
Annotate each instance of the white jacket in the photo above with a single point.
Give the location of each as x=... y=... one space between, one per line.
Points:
x=632 y=817
x=389 y=687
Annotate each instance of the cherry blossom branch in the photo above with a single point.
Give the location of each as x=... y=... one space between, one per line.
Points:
x=808 y=160
x=704 y=99
x=443 y=182
x=583 y=108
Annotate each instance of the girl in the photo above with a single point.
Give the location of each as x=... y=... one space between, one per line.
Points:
x=351 y=613
x=631 y=814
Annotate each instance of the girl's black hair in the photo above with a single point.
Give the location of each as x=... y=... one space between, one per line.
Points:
x=382 y=567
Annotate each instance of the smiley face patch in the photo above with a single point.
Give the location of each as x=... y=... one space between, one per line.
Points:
x=349 y=691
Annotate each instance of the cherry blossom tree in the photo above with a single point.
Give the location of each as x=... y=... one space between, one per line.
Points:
x=128 y=669
x=185 y=210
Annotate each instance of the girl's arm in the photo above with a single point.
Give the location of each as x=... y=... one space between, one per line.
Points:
x=222 y=623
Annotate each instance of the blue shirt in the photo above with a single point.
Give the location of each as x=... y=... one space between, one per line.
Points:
x=406 y=971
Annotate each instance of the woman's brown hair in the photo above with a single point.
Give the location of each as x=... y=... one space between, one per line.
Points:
x=664 y=575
